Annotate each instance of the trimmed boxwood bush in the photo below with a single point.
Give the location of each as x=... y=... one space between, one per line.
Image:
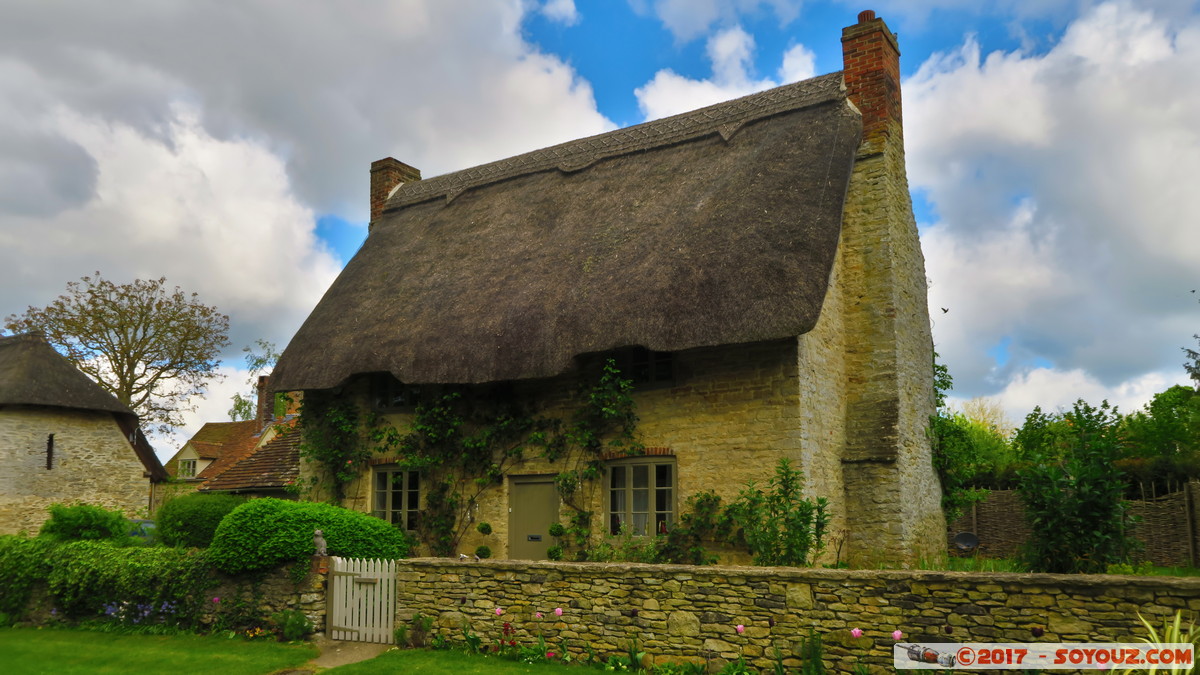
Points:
x=191 y=520
x=265 y=533
x=84 y=521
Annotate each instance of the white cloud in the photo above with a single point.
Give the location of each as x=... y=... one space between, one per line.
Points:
x=731 y=53
x=1057 y=390
x=1061 y=181
x=201 y=142
x=562 y=11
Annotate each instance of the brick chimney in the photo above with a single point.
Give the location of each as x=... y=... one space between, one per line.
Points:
x=266 y=400
x=871 y=68
x=386 y=174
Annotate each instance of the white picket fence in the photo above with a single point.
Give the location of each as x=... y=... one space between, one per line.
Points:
x=362 y=599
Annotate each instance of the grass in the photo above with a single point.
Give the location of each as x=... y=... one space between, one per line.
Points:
x=67 y=652
x=445 y=661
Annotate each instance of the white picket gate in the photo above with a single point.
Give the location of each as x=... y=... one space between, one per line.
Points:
x=362 y=599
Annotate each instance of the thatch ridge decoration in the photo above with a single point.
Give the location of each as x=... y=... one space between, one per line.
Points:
x=724 y=118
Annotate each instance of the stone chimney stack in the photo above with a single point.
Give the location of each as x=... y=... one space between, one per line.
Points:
x=871 y=68
x=386 y=175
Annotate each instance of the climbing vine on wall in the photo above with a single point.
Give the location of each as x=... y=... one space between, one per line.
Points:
x=464 y=448
x=332 y=439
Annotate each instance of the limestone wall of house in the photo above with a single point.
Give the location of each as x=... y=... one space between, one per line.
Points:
x=892 y=491
x=732 y=413
x=684 y=613
x=92 y=463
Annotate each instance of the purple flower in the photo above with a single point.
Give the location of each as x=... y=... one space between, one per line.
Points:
x=897 y=634
x=216 y=600
x=856 y=632
x=1037 y=631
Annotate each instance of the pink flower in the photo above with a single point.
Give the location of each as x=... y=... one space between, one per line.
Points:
x=550 y=655
x=216 y=599
x=740 y=629
x=538 y=614
x=897 y=634
x=856 y=632
x=501 y=611
x=558 y=611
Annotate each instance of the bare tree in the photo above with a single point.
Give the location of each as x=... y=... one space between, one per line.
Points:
x=153 y=348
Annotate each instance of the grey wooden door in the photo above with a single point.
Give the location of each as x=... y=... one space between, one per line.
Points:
x=532 y=507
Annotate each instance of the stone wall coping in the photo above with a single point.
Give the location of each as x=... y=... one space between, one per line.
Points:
x=1189 y=585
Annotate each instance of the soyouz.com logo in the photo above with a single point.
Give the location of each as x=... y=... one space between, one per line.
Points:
x=1042 y=655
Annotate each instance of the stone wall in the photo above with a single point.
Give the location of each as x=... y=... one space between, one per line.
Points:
x=91 y=462
x=276 y=592
x=681 y=613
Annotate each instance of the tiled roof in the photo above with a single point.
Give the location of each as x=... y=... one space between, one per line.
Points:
x=275 y=464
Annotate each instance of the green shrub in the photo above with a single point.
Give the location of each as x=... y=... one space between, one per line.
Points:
x=84 y=521
x=138 y=585
x=23 y=562
x=292 y=624
x=265 y=533
x=781 y=526
x=483 y=551
x=191 y=520
x=1072 y=491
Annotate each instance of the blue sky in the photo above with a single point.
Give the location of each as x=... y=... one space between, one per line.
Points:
x=1052 y=149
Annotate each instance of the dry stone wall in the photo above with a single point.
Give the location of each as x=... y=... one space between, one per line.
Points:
x=682 y=613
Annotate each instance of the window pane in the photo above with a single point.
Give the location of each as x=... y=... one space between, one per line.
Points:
x=641 y=476
x=616 y=502
x=618 y=477
x=661 y=522
x=641 y=501
x=413 y=480
x=662 y=475
x=639 y=522
x=614 y=526
x=662 y=500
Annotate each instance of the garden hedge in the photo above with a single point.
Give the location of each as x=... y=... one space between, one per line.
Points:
x=192 y=520
x=265 y=533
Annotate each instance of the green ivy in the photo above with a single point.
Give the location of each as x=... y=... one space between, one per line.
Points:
x=332 y=438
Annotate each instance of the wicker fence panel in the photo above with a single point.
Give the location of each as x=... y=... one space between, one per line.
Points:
x=1169 y=527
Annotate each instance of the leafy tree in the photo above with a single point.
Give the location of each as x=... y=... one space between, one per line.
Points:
x=1169 y=425
x=1192 y=365
x=1072 y=490
x=244 y=407
x=153 y=348
x=954 y=451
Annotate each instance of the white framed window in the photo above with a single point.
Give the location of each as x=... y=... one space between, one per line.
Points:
x=187 y=468
x=397 y=496
x=641 y=495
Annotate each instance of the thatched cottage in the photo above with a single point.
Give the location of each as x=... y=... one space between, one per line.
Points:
x=754 y=265
x=64 y=439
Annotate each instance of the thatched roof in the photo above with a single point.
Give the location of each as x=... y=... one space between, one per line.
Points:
x=33 y=373
x=713 y=227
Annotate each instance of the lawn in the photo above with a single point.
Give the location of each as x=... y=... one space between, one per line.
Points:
x=66 y=652
x=447 y=661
